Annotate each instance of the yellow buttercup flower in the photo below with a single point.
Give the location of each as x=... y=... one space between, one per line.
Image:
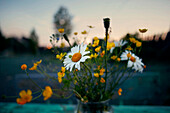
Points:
x=98 y=49
x=60 y=56
x=143 y=30
x=96 y=75
x=95 y=38
x=62 y=45
x=102 y=53
x=84 y=32
x=98 y=67
x=93 y=55
x=20 y=101
x=114 y=57
x=118 y=59
x=110 y=45
x=34 y=67
x=59 y=79
x=102 y=80
x=87 y=48
x=96 y=43
x=138 y=44
x=47 y=93
x=25 y=97
x=61 y=30
x=24 y=67
x=63 y=69
x=102 y=71
x=133 y=40
x=38 y=62
x=119 y=91
x=61 y=74
x=129 y=48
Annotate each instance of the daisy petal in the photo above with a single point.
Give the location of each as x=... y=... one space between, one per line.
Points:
x=111 y=50
x=130 y=63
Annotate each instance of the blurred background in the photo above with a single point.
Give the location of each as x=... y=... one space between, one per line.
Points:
x=25 y=27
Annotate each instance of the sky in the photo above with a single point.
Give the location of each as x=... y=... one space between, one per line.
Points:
x=19 y=17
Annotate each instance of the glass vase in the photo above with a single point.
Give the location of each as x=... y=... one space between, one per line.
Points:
x=94 y=107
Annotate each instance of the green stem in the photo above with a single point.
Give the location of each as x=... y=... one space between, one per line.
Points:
x=44 y=73
x=37 y=97
x=121 y=76
x=139 y=50
x=88 y=70
x=106 y=58
x=76 y=76
x=117 y=81
x=67 y=90
x=86 y=36
x=129 y=75
x=69 y=44
x=36 y=92
x=77 y=93
x=33 y=81
x=68 y=96
x=56 y=95
x=62 y=89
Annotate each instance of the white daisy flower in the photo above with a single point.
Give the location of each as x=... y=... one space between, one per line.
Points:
x=111 y=50
x=76 y=56
x=136 y=63
x=125 y=55
x=140 y=70
x=119 y=43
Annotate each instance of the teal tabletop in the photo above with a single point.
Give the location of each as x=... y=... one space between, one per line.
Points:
x=69 y=108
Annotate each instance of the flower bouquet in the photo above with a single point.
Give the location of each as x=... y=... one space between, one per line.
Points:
x=93 y=72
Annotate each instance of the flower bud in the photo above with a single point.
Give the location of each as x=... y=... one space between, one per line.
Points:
x=65 y=37
x=82 y=99
x=106 y=22
x=24 y=67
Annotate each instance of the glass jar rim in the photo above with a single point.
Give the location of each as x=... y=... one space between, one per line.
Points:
x=100 y=102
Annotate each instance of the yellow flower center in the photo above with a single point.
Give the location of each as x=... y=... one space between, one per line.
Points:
x=76 y=57
x=133 y=59
x=128 y=55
